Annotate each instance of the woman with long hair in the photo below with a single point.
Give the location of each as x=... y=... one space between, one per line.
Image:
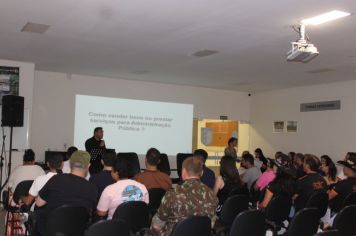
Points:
x=283 y=184
x=329 y=170
x=228 y=180
x=261 y=159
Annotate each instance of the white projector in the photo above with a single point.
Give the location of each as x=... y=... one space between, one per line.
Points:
x=302 y=52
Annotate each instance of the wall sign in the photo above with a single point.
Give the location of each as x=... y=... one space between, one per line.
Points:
x=320 y=106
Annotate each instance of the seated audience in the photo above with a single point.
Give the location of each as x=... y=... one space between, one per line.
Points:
x=283 y=184
x=260 y=160
x=309 y=184
x=343 y=188
x=298 y=164
x=67 y=189
x=329 y=170
x=268 y=176
x=123 y=190
x=55 y=164
x=66 y=163
x=191 y=198
x=208 y=177
x=285 y=160
x=347 y=156
x=252 y=173
x=151 y=177
x=228 y=180
x=291 y=156
x=27 y=171
x=104 y=178
x=230 y=150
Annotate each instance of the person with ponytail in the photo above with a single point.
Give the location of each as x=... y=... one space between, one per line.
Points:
x=55 y=164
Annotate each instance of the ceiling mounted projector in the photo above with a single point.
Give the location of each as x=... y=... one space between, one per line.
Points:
x=302 y=50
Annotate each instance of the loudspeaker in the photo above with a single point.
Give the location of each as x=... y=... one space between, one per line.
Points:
x=12 y=111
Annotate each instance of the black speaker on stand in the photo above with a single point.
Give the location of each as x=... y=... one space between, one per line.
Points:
x=12 y=114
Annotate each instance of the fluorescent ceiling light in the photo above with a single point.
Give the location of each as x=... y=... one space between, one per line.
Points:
x=329 y=16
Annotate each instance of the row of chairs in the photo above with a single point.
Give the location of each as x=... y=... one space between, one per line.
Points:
x=70 y=221
x=22 y=189
x=236 y=219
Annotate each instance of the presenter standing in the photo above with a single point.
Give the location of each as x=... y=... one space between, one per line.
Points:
x=230 y=150
x=95 y=142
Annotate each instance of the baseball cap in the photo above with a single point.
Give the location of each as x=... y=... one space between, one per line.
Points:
x=350 y=163
x=80 y=157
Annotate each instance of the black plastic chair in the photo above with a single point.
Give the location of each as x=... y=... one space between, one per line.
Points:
x=350 y=200
x=135 y=214
x=277 y=211
x=108 y=228
x=320 y=201
x=21 y=190
x=180 y=158
x=155 y=196
x=134 y=163
x=164 y=165
x=68 y=221
x=239 y=191
x=305 y=223
x=254 y=193
x=231 y=208
x=345 y=221
x=249 y=223
x=193 y=226
x=329 y=233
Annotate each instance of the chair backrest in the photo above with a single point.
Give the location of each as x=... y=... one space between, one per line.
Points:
x=232 y=207
x=320 y=201
x=249 y=223
x=134 y=163
x=345 y=221
x=180 y=158
x=193 y=226
x=108 y=228
x=155 y=196
x=350 y=200
x=305 y=223
x=68 y=221
x=329 y=233
x=278 y=209
x=163 y=165
x=135 y=214
x=21 y=190
x=239 y=191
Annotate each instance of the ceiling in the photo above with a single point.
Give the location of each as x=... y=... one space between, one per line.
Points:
x=153 y=40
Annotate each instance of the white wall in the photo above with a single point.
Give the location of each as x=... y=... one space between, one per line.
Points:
x=54 y=101
x=322 y=132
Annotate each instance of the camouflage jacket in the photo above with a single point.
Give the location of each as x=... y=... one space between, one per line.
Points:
x=191 y=198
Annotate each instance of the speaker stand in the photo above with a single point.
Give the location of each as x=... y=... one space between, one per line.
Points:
x=10 y=154
x=2 y=156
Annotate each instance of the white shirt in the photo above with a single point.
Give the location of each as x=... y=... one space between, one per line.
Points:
x=122 y=191
x=39 y=182
x=66 y=169
x=24 y=172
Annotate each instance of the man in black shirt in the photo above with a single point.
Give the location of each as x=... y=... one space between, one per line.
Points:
x=67 y=189
x=104 y=178
x=95 y=142
x=309 y=184
x=344 y=187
